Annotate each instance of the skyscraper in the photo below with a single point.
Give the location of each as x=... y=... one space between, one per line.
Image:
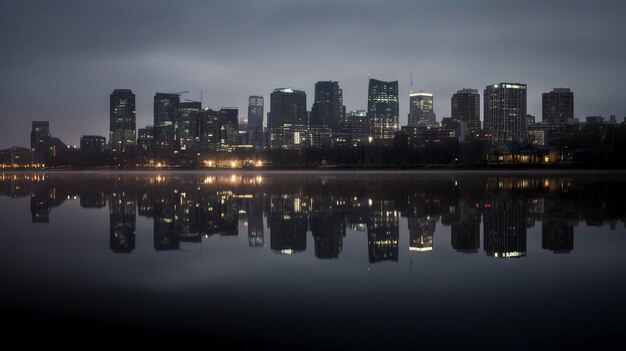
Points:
x=557 y=106
x=382 y=108
x=328 y=109
x=187 y=126
x=122 y=133
x=505 y=113
x=255 y=121
x=165 y=110
x=287 y=118
x=465 y=107
x=40 y=142
x=229 y=128
x=421 y=111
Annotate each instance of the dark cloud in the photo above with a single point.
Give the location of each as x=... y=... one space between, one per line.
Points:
x=61 y=59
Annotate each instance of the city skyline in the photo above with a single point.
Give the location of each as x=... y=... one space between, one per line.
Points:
x=240 y=54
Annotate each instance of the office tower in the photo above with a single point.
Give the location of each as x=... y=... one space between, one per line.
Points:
x=40 y=142
x=421 y=112
x=229 y=128
x=187 y=126
x=255 y=121
x=208 y=130
x=165 y=111
x=122 y=120
x=557 y=106
x=466 y=108
x=505 y=113
x=92 y=144
x=328 y=109
x=287 y=120
x=145 y=141
x=382 y=108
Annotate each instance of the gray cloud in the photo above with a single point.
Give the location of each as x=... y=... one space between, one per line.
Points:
x=61 y=59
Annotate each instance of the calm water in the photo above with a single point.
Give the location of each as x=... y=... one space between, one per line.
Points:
x=322 y=260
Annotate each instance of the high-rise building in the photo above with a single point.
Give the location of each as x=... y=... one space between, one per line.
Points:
x=465 y=107
x=165 y=111
x=229 y=128
x=382 y=108
x=40 y=142
x=187 y=126
x=145 y=141
x=557 y=106
x=255 y=121
x=287 y=119
x=505 y=113
x=421 y=111
x=122 y=120
x=328 y=109
x=92 y=144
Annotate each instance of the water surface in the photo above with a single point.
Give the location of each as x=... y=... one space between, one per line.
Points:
x=318 y=260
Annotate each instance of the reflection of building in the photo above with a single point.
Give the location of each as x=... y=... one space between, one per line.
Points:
x=465 y=232
x=254 y=210
x=421 y=231
x=287 y=224
x=382 y=232
x=557 y=235
x=165 y=237
x=382 y=108
x=327 y=227
x=504 y=225
x=122 y=218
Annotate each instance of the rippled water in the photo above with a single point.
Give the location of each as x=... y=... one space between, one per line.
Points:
x=317 y=260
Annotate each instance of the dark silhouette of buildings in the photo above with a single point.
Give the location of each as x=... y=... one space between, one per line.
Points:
x=92 y=144
x=122 y=120
x=328 y=109
x=557 y=106
x=465 y=107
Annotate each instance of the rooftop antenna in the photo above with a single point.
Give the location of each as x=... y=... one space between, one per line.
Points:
x=200 y=98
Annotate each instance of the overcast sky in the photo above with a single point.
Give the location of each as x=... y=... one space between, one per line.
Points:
x=60 y=60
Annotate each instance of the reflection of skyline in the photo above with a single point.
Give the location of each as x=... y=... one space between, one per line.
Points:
x=188 y=208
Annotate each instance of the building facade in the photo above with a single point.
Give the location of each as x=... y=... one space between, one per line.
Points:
x=165 y=113
x=465 y=107
x=557 y=106
x=505 y=113
x=122 y=131
x=287 y=118
x=255 y=121
x=382 y=108
x=421 y=111
x=40 y=142
x=328 y=109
